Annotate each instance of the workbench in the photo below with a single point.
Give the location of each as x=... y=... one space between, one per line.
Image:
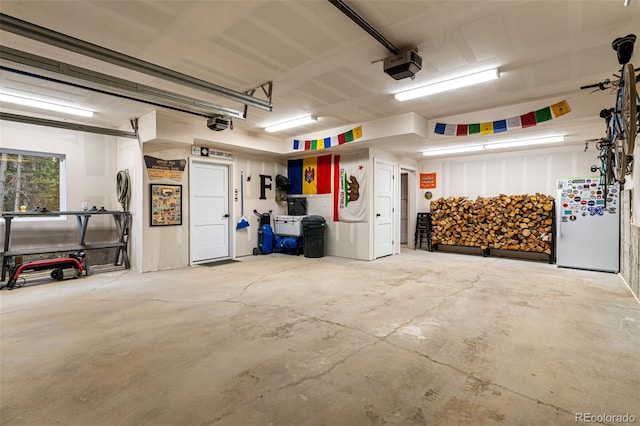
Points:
x=122 y=222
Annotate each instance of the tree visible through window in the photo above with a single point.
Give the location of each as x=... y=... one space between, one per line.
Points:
x=30 y=179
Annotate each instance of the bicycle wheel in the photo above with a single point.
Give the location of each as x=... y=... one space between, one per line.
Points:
x=628 y=109
x=619 y=161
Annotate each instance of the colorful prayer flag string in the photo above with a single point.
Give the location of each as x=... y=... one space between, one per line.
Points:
x=328 y=142
x=523 y=121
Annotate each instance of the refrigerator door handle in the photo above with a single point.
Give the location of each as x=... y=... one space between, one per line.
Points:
x=559 y=228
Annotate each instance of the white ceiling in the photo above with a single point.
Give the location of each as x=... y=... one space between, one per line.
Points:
x=322 y=63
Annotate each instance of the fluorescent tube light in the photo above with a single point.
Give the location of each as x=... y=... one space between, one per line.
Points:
x=525 y=142
x=494 y=145
x=50 y=106
x=307 y=119
x=452 y=84
x=453 y=150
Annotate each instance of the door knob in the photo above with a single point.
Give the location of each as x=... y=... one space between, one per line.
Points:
x=226 y=215
x=377 y=214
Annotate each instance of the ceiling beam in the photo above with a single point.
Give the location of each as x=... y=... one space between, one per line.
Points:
x=110 y=85
x=54 y=38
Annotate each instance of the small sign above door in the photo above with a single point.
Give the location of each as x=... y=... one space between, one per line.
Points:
x=203 y=151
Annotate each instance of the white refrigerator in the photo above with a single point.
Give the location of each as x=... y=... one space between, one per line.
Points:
x=588 y=225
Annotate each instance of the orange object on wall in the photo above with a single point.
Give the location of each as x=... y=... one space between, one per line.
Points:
x=427 y=180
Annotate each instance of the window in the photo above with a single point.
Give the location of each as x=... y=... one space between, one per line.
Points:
x=31 y=179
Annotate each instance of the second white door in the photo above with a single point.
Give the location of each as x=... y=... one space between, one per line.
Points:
x=383 y=207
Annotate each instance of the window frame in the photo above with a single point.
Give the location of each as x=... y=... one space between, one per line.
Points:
x=62 y=178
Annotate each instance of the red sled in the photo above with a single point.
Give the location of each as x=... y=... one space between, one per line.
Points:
x=62 y=267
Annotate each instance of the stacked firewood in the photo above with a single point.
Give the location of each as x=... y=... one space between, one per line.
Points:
x=511 y=222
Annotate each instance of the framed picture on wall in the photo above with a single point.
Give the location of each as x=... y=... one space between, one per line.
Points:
x=166 y=204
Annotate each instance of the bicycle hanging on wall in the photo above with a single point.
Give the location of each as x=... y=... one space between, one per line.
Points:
x=622 y=122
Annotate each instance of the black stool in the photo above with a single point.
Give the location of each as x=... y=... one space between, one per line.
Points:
x=423 y=230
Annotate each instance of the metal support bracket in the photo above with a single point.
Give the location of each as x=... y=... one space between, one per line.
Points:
x=267 y=89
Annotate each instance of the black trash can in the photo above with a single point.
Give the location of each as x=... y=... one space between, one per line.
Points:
x=313 y=236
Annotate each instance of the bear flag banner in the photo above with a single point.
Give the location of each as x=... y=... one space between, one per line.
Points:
x=350 y=183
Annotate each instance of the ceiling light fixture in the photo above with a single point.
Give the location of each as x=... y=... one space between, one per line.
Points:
x=453 y=150
x=301 y=121
x=525 y=142
x=49 y=106
x=494 y=145
x=447 y=85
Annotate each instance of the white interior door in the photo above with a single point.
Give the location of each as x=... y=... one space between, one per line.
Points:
x=209 y=211
x=383 y=208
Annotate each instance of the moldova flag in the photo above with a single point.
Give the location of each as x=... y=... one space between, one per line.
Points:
x=310 y=175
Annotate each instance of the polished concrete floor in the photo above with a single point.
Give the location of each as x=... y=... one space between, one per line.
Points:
x=414 y=339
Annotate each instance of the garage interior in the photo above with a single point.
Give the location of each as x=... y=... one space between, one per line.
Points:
x=190 y=326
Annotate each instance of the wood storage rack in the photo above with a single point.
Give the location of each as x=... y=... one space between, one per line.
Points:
x=524 y=223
